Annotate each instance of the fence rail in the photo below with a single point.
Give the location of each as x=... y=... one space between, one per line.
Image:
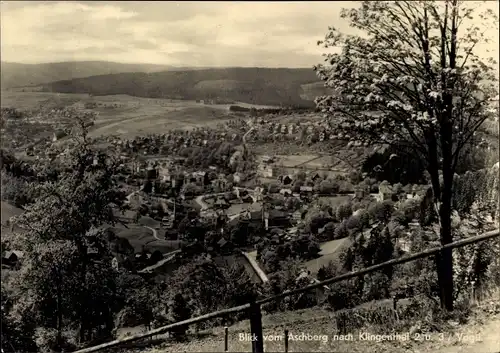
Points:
x=254 y=311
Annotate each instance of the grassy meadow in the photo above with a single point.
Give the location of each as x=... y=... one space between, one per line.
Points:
x=124 y=115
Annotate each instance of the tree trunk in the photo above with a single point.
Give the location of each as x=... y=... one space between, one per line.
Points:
x=446 y=257
x=443 y=194
x=83 y=299
x=59 y=310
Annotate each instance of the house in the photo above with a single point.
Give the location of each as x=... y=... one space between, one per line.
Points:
x=277 y=218
x=285 y=179
x=164 y=173
x=151 y=172
x=11 y=258
x=220 y=183
x=267 y=159
x=320 y=293
x=306 y=189
x=385 y=192
x=201 y=177
x=266 y=171
x=237 y=177
x=286 y=192
x=360 y=192
x=59 y=134
x=297 y=216
x=315 y=176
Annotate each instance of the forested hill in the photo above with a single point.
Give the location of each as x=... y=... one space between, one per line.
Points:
x=265 y=86
x=21 y=75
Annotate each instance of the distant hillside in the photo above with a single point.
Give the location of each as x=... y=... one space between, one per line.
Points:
x=263 y=86
x=19 y=75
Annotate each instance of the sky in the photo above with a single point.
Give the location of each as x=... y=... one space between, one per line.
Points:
x=206 y=34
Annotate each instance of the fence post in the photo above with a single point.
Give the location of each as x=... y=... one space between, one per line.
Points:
x=225 y=339
x=256 y=328
x=286 y=340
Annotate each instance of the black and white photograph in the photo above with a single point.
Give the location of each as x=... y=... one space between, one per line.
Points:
x=243 y=176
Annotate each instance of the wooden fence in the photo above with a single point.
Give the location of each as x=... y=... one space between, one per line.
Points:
x=254 y=309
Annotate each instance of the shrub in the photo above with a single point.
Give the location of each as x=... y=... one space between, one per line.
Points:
x=341 y=231
x=353 y=223
x=381 y=211
x=344 y=211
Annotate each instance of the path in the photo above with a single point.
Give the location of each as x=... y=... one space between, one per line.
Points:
x=200 y=200
x=250 y=257
x=155 y=233
x=166 y=258
x=487 y=335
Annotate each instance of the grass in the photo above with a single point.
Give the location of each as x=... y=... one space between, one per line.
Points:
x=142 y=238
x=126 y=115
x=9 y=211
x=375 y=318
x=334 y=201
x=329 y=253
x=32 y=100
x=293 y=160
x=239 y=208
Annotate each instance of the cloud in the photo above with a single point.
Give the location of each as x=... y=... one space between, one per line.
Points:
x=183 y=33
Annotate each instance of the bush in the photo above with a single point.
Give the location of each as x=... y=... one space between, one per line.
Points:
x=353 y=223
x=47 y=341
x=381 y=211
x=328 y=187
x=341 y=231
x=344 y=211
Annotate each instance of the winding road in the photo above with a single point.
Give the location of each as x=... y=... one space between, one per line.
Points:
x=155 y=233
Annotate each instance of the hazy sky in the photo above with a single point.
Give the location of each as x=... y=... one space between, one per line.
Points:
x=267 y=34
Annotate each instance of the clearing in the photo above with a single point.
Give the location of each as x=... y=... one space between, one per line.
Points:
x=329 y=253
x=9 y=211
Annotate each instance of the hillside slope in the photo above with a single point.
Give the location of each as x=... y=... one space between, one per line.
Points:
x=19 y=75
x=479 y=335
x=264 y=86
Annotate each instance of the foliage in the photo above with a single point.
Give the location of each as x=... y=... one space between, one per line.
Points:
x=344 y=211
x=208 y=287
x=66 y=252
x=394 y=166
x=15 y=335
x=274 y=257
x=381 y=211
x=413 y=80
x=180 y=310
x=265 y=86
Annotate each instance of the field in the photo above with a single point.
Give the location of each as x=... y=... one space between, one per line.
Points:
x=142 y=238
x=126 y=115
x=241 y=207
x=9 y=210
x=335 y=201
x=293 y=160
x=329 y=252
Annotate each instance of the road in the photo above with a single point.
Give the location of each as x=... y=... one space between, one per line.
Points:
x=250 y=257
x=166 y=258
x=155 y=233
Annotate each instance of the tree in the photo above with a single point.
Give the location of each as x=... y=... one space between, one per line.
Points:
x=180 y=311
x=413 y=80
x=344 y=211
x=67 y=274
